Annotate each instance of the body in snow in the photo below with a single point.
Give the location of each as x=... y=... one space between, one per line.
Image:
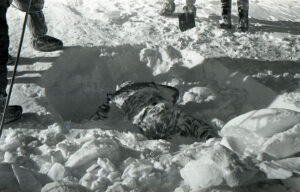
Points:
x=152 y=108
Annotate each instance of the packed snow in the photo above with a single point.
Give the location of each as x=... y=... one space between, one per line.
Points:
x=246 y=84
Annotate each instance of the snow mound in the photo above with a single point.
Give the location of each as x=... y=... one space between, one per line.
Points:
x=217 y=166
x=161 y=59
x=198 y=95
x=272 y=133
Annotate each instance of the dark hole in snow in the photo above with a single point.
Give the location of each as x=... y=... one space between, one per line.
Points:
x=82 y=76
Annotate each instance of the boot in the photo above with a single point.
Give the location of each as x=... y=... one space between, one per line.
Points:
x=167 y=9
x=10 y=60
x=46 y=43
x=243 y=24
x=14 y=112
x=226 y=15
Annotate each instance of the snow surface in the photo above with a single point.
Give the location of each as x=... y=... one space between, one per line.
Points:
x=220 y=75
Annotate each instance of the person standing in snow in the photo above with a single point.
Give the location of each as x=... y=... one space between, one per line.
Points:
x=169 y=7
x=13 y=112
x=243 y=10
x=38 y=27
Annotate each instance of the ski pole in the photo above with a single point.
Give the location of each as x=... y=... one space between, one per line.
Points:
x=15 y=68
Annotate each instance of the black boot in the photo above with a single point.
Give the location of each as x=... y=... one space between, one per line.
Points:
x=13 y=113
x=243 y=24
x=226 y=14
x=47 y=43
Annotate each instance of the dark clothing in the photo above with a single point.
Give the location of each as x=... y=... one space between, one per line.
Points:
x=4 y=44
x=242 y=4
x=36 y=24
x=36 y=20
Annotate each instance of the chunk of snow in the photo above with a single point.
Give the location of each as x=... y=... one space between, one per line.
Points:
x=12 y=141
x=106 y=164
x=116 y=187
x=264 y=122
x=283 y=144
x=198 y=95
x=215 y=167
x=92 y=150
x=63 y=186
x=9 y=157
x=274 y=171
x=57 y=172
x=290 y=163
x=137 y=170
x=265 y=133
x=160 y=59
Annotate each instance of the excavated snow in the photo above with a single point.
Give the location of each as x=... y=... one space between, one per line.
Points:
x=220 y=74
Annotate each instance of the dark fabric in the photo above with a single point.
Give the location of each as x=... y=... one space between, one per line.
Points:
x=36 y=21
x=152 y=108
x=243 y=5
x=226 y=6
x=4 y=44
x=37 y=24
x=4 y=3
x=36 y=5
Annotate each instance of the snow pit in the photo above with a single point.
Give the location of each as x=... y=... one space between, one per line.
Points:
x=82 y=76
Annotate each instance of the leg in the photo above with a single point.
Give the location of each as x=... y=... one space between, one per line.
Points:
x=13 y=112
x=243 y=9
x=38 y=27
x=226 y=14
x=168 y=7
x=4 y=44
x=190 y=7
x=37 y=24
x=190 y=2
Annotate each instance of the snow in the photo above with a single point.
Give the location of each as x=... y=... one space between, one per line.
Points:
x=217 y=166
x=220 y=75
x=273 y=133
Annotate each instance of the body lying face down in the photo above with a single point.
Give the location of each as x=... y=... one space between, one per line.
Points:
x=152 y=108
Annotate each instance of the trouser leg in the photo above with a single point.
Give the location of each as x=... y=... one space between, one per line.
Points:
x=226 y=13
x=226 y=7
x=243 y=9
x=190 y=2
x=36 y=20
x=4 y=44
x=243 y=4
x=37 y=24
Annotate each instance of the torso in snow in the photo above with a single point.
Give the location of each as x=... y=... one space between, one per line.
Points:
x=152 y=107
